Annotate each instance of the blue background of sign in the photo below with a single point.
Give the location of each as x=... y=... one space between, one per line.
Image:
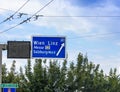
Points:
x=6 y=89
x=53 y=48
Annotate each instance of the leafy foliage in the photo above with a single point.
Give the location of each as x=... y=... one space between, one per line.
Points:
x=81 y=76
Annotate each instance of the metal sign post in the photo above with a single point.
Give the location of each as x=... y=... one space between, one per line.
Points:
x=2 y=47
x=0 y=66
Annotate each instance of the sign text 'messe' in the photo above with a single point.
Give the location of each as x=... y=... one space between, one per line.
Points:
x=48 y=47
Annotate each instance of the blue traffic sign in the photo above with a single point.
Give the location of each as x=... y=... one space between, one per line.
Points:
x=48 y=47
x=9 y=89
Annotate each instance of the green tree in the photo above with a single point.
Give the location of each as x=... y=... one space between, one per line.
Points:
x=29 y=76
x=12 y=75
x=39 y=76
x=79 y=76
x=4 y=73
x=54 y=76
x=70 y=81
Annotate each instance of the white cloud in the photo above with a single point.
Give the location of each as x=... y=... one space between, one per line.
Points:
x=64 y=8
x=57 y=8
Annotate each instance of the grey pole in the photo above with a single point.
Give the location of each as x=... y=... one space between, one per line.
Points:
x=0 y=66
x=2 y=47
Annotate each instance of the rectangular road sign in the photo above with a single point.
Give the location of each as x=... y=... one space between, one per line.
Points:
x=9 y=89
x=18 y=49
x=8 y=85
x=48 y=47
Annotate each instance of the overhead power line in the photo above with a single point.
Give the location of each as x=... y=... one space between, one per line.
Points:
x=81 y=16
x=42 y=8
x=95 y=35
x=28 y=19
x=11 y=16
x=20 y=14
x=52 y=16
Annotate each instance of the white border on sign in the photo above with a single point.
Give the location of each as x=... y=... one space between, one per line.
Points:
x=48 y=57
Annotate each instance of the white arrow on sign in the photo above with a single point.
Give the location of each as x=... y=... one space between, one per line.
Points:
x=62 y=45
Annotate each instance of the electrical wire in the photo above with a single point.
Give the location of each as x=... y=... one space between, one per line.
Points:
x=82 y=16
x=11 y=16
x=28 y=19
x=42 y=8
x=84 y=36
x=95 y=35
x=91 y=35
x=52 y=16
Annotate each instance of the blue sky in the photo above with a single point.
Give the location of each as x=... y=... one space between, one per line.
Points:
x=88 y=3
x=96 y=36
